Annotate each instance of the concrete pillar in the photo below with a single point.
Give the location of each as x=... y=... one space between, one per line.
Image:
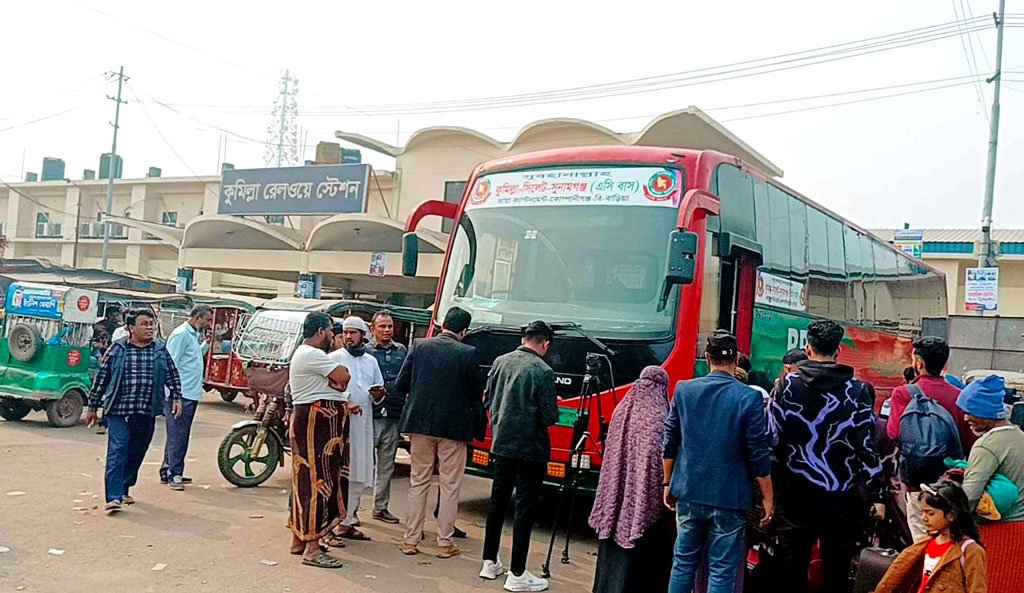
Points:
x=12 y=223
x=211 y=198
x=70 y=226
x=134 y=262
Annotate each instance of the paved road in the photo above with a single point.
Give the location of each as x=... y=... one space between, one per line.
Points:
x=213 y=536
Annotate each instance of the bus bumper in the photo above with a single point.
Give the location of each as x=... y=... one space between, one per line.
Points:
x=480 y=463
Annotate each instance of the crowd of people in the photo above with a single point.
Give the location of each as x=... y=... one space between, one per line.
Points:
x=687 y=482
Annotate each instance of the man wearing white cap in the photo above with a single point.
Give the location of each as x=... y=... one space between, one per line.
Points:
x=365 y=388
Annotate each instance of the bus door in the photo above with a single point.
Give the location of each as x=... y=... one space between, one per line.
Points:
x=730 y=272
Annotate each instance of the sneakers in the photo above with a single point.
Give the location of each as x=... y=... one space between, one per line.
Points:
x=176 y=483
x=409 y=549
x=448 y=551
x=112 y=507
x=184 y=480
x=525 y=582
x=385 y=517
x=492 y=569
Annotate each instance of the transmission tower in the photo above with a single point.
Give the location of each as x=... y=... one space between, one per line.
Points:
x=283 y=133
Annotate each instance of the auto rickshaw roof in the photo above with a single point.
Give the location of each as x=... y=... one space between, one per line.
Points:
x=217 y=299
x=122 y=295
x=338 y=308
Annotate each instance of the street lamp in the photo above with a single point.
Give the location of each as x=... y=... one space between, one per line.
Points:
x=78 y=222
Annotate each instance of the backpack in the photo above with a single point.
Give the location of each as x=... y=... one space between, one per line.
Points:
x=928 y=435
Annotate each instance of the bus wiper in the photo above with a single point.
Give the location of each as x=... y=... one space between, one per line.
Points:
x=572 y=325
x=497 y=329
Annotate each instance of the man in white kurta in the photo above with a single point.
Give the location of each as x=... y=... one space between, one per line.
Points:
x=365 y=387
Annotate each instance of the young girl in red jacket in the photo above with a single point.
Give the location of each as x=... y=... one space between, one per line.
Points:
x=951 y=559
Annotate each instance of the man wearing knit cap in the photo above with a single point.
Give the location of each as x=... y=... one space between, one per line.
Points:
x=1000 y=445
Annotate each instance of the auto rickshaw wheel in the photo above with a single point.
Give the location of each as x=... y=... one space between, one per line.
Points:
x=24 y=342
x=66 y=411
x=240 y=465
x=13 y=410
x=228 y=396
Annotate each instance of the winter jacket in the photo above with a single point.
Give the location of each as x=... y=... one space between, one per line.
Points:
x=823 y=430
x=523 y=404
x=950 y=576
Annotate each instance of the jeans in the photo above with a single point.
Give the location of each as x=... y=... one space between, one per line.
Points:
x=805 y=515
x=526 y=478
x=178 y=431
x=385 y=442
x=128 y=439
x=717 y=532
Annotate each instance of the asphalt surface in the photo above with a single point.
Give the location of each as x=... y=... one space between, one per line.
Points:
x=214 y=536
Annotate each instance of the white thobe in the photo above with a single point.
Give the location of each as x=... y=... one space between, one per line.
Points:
x=365 y=373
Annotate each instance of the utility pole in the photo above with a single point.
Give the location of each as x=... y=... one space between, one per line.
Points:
x=987 y=252
x=110 y=168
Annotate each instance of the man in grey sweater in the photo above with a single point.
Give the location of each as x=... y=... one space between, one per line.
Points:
x=522 y=401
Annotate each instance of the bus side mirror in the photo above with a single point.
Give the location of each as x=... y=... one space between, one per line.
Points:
x=681 y=263
x=410 y=254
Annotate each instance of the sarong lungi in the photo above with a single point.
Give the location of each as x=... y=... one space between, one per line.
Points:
x=319 y=439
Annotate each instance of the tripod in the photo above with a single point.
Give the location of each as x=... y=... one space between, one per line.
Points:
x=589 y=393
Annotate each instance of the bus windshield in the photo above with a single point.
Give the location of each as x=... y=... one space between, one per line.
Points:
x=584 y=245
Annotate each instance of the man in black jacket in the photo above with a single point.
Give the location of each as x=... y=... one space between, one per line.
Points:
x=440 y=380
x=521 y=398
x=822 y=426
x=390 y=355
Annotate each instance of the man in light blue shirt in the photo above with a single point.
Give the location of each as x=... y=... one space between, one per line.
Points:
x=187 y=346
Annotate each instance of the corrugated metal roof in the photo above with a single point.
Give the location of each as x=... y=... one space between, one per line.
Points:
x=958 y=235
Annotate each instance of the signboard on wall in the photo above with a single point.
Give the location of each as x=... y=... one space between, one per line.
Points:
x=910 y=242
x=981 y=289
x=378 y=263
x=780 y=292
x=318 y=189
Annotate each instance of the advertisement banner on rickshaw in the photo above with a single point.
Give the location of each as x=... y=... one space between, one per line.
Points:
x=52 y=302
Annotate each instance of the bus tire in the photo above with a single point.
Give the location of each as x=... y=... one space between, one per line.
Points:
x=13 y=410
x=24 y=342
x=66 y=411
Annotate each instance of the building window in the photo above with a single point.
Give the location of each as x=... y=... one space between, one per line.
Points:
x=275 y=219
x=169 y=219
x=46 y=229
x=453 y=195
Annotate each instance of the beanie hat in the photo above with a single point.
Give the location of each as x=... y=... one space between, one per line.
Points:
x=984 y=398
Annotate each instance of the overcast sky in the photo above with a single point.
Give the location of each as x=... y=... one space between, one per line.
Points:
x=917 y=158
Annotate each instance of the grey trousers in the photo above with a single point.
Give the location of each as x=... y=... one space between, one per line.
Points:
x=385 y=443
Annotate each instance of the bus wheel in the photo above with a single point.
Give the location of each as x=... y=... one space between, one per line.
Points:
x=13 y=410
x=66 y=411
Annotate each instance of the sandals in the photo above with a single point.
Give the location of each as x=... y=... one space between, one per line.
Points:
x=322 y=560
x=353 y=533
x=333 y=540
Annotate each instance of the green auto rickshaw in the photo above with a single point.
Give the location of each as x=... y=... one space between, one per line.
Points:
x=45 y=351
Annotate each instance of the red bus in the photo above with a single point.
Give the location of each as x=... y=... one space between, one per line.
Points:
x=635 y=254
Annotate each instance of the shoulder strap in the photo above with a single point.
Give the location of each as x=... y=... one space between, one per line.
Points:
x=963 y=552
x=915 y=391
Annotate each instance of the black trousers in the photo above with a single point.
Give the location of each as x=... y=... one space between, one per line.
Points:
x=806 y=515
x=526 y=478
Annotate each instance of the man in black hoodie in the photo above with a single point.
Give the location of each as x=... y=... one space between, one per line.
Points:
x=822 y=427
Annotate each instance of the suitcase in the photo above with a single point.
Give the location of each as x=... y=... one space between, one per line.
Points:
x=870 y=566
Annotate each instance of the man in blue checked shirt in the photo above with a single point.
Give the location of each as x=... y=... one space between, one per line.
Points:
x=187 y=346
x=135 y=378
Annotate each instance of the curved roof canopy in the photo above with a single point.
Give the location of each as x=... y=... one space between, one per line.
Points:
x=219 y=231
x=685 y=128
x=369 y=232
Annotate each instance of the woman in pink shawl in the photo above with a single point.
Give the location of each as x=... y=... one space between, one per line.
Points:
x=634 y=532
